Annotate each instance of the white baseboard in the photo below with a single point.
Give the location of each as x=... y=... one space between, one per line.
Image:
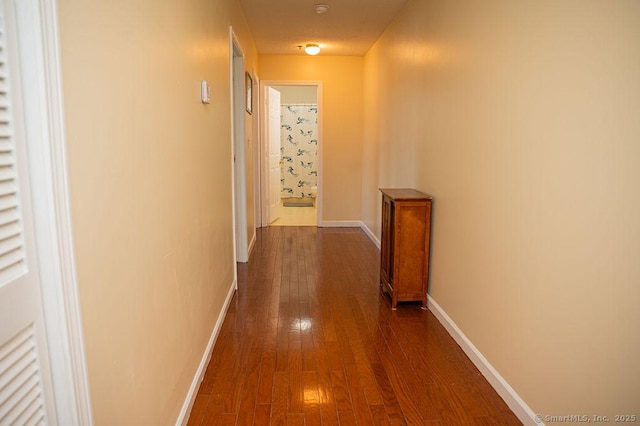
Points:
x=340 y=224
x=370 y=234
x=183 y=417
x=252 y=243
x=513 y=400
x=352 y=224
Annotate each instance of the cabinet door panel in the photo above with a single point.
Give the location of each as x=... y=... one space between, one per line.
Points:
x=410 y=246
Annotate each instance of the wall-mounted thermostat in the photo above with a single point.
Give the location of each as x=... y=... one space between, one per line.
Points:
x=205 y=92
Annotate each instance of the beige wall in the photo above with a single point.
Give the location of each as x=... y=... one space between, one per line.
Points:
x=150 y=178
x=297 y=94
x=522 y=120
x=341 y=142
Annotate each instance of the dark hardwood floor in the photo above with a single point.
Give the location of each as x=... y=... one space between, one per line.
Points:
x=309 y=339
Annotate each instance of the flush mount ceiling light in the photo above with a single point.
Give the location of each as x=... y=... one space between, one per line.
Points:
x=312 y=49
x=321 y=8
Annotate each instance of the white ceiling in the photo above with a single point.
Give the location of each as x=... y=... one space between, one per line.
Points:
x=349 y=27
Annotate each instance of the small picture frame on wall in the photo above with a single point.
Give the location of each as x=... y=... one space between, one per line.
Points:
x=248 y=86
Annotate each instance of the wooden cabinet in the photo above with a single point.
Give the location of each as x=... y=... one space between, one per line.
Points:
x=404 y=254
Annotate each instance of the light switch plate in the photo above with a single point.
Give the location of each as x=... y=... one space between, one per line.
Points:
x=205 y=92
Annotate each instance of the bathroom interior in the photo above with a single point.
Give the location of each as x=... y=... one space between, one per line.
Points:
x=299 y=155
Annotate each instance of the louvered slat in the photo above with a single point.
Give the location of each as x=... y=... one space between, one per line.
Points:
x=8 y=188
x=32 y=414
x=28 y=404
x=13 y=406
x=6 y=159
x=8 y=217
x=16 y=361
x=20 y=387
x=7 y=203
x=10 y=244
x=21 y=378
x=8 y=261
x=7 y=173
x=21 y=364
x=12 y=254
x=9 y=230
x=15 y=342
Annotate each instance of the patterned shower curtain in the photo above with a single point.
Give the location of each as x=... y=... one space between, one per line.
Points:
x=299 y=149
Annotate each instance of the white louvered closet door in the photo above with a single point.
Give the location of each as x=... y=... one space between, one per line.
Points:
x=25 y=381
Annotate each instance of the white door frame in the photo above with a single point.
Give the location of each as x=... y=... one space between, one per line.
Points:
x=46 y=153
x=263 y=148
x=238 y=178
x=257 y=163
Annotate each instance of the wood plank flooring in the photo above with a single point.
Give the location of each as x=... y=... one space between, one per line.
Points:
x=310 y=340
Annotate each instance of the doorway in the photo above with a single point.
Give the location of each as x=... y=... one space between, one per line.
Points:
x=291 y=148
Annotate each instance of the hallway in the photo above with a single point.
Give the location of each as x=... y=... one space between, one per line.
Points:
x=308 y=339
x=296 y=216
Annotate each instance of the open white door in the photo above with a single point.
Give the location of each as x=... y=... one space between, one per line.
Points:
x=238 y=146
x=275 y=158
x=26 y=392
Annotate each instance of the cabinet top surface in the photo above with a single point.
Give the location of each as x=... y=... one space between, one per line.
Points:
x=404 y=194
